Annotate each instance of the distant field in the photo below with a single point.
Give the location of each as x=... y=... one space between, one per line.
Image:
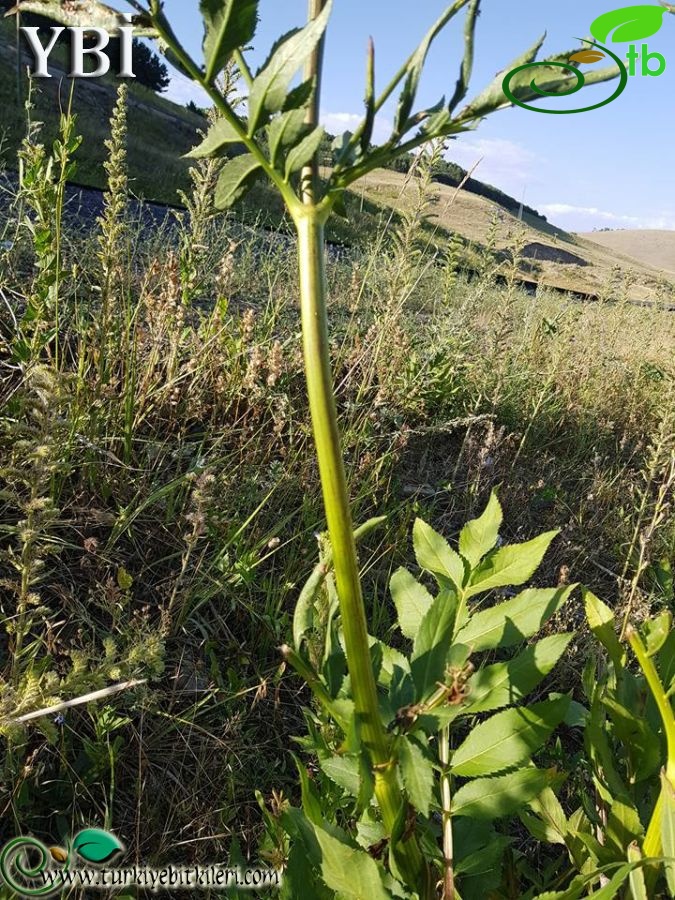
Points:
x=654 y=248
x=550 y=255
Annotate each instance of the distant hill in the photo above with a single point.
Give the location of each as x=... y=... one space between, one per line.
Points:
x=654 y=248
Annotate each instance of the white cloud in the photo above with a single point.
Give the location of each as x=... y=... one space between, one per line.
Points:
x=504 y=163
x=585 y=217
x=182 y=90
x=339 y=122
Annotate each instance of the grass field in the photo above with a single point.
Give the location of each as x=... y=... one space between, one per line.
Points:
x=653 y=248
x=159 y=497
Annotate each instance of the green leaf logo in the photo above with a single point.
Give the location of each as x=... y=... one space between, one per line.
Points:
x=630 y=23
x=96 y=845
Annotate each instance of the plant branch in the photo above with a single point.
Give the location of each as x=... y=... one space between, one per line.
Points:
x=309 y=177
x=446 y=806
x=440 y=24
x=166 y=33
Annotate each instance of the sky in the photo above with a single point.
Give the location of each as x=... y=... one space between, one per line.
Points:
x=603 y=169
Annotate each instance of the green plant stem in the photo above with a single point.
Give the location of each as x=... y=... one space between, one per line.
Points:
x=446 y=806
x=653 y=844
x=659 y=694
x=309 y=221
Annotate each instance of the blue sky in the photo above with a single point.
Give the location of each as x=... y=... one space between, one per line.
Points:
x=606 y=168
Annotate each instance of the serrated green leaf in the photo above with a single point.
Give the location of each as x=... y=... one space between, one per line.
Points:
x=350 y=871
x=286 y=131
x=623 y=824
x=268 y=93
x=434 y=554
x=632 y=23
x=656 y=630
x=505 y=683
x=228 y=26
x=508 y=738
x=416 y=65
x=432 y=644
x=219 y=135
x=668 y=830
x=236 y=178
x=493 y=798
x=547 y=807
x=515 y=620
x=493 y=97
x=418 y=775
x=479 y=536
x=392 y=660
x=344 y=771
x=96 y=845
x=412 y=601
x=601 y=622
x=510 y=565
x=304 y=152
x=344 y=153
x=311 y=804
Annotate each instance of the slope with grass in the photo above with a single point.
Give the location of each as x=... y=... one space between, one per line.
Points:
x=160 y=132
x=549 y=255
x=649 y=247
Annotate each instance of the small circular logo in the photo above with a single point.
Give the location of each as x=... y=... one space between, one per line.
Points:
x=511 y=89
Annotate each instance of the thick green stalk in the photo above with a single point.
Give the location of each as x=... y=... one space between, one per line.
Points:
x=309 y=217
x=446 y=806
x=309 y=224
x=653 y=845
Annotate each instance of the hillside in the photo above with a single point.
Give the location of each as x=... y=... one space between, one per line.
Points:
x=160 y=132
x=651 y=247
x=549 y=255
x=602 y=265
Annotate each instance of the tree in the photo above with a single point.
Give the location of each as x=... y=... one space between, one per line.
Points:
x=149 y=69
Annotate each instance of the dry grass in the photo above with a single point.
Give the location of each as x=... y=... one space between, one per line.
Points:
x=159 y=496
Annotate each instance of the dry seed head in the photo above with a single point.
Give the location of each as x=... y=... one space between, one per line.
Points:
x=248 y=326
x=275 y=363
